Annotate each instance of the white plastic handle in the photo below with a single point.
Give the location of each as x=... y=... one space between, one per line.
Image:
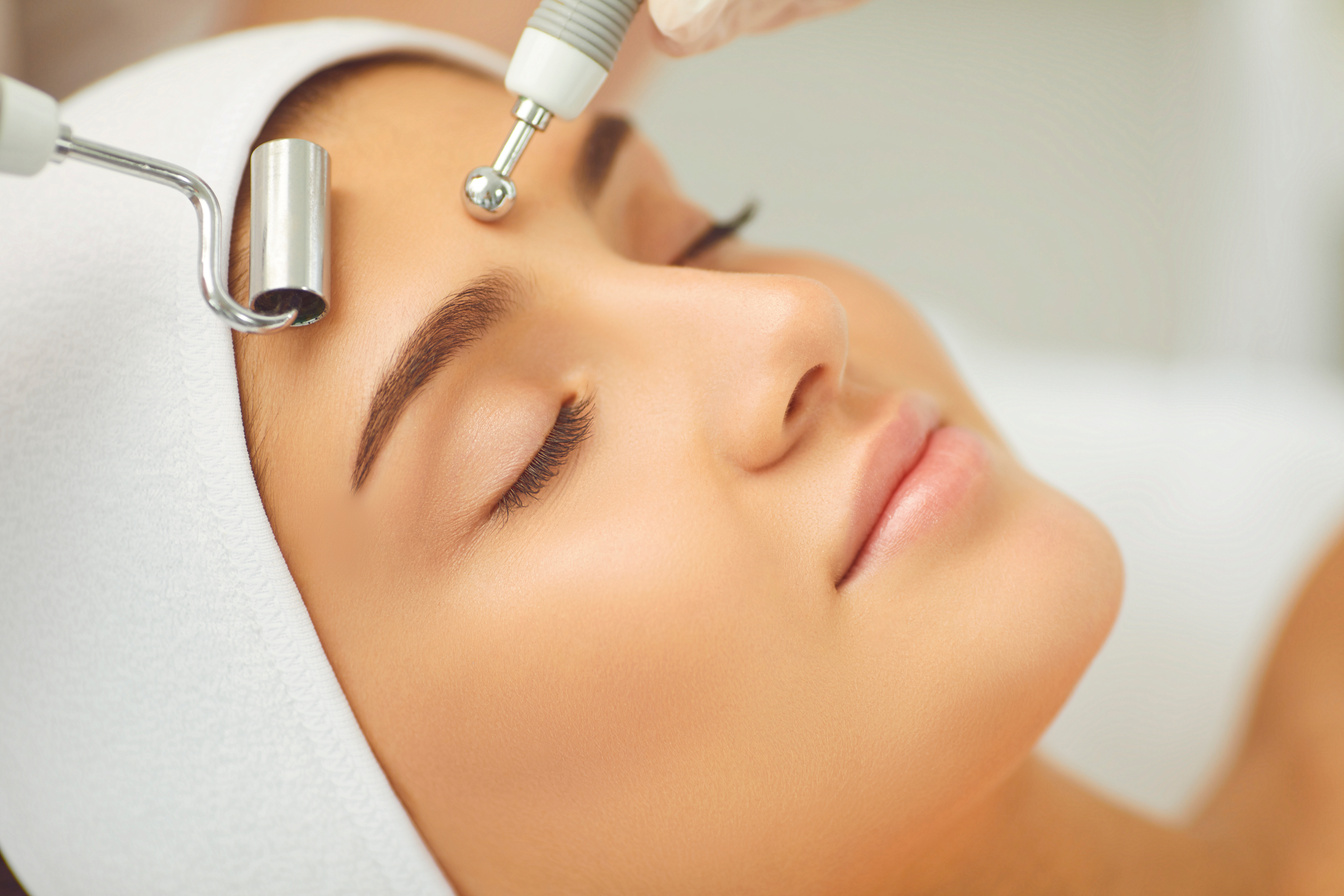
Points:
x=29 y=127
x=552 y=74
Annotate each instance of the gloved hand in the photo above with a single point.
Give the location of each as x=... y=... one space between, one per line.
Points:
x=693 y=26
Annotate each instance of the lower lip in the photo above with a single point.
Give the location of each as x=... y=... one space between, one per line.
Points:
x=953 y=462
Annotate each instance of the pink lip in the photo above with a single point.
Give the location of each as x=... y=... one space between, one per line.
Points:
x=916 y=473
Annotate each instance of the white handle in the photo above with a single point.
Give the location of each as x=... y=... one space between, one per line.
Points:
x=554 y=75
x=29 y=127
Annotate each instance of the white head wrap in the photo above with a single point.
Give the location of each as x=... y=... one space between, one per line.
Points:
x=168 y=720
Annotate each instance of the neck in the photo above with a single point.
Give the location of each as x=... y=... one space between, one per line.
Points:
x=1043 y=832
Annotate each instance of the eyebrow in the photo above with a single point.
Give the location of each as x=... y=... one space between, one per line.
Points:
x=463 y=318
x=597 y=154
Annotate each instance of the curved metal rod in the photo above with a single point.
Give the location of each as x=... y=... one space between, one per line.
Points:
x=213 y=262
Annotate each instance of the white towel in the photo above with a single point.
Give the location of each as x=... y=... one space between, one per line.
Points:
x=168 y=720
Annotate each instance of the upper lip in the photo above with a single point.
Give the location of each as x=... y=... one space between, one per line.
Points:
x=892 y=451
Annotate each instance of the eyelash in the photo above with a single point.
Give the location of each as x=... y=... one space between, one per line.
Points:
x=572 y=427
x=716 y=233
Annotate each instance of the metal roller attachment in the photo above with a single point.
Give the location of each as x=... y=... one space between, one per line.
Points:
x=291 y=218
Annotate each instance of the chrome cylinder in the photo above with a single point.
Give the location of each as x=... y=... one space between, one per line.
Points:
x=291 y=226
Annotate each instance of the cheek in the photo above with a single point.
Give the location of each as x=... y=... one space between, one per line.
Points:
x=594 y=672
x=601 y=645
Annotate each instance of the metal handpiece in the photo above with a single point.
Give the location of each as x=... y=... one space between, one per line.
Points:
x=489 y=193
x=291 y=266
x=214 y=262
x=562 y=59
x=290 y=208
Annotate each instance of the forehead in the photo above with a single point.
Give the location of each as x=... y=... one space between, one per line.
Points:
x=376 y=99
x=402 y=138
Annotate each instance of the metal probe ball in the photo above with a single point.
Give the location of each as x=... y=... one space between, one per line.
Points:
x=488 y=193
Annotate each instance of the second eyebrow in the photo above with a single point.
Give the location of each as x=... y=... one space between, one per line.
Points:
x=597 y=154
x=462 y=319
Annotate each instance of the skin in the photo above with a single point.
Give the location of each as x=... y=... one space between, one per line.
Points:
x=647 y=680
x=1284 y=794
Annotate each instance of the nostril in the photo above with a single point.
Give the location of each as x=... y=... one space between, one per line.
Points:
x=800 y=390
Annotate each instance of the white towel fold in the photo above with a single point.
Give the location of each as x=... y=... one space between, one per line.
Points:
x=168 y=720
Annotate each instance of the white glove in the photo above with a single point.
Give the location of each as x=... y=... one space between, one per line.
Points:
x=693 y=26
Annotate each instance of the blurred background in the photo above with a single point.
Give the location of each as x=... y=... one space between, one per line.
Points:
x=1162 y=177
x=1159 y=177
x=1127 y=219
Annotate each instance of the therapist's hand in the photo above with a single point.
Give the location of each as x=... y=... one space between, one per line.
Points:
x=693 y=26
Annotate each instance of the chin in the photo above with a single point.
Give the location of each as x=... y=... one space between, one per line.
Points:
x=1057 y=613
x=1063 y=604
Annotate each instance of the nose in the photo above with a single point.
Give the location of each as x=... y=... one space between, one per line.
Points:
x=781 y=356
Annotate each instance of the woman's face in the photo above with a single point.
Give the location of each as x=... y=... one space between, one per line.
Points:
x=578 y=528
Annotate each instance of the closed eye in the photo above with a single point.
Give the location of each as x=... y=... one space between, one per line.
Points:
x=715 y=234
x=572 y=427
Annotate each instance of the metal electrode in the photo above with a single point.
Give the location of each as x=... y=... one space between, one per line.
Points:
x=291 y=265
x=290 y=209
x=489 y=193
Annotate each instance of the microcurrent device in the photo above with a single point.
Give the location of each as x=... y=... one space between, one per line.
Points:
x=290 y=264
x=562 y=59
